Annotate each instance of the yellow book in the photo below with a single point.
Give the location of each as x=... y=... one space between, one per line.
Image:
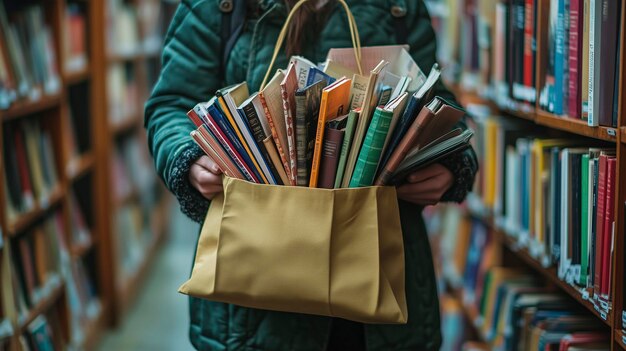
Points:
x=489 y=186
x=335 y=100
x=233 y=123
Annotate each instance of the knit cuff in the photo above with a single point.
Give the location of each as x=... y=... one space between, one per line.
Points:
x=192 y=203
x=463 y=166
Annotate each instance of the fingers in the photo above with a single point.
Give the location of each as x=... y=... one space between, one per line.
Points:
x=209 y=164
x=206 y=182
x=437 y=184
x=423 y=174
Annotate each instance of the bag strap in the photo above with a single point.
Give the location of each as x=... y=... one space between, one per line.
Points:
x=354 y=33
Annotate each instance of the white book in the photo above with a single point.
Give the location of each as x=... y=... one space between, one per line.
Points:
x=595 y=25
x=563 y=267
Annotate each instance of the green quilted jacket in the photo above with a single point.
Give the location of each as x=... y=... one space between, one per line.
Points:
x=191 y=73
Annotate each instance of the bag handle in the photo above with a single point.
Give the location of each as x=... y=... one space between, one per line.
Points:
x=354 y=33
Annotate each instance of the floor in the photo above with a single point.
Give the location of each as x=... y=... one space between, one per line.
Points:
x=158 y=321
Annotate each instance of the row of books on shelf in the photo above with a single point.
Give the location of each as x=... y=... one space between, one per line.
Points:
x=122 y=92
x=312 y=126
x=40 y=266
x=31 y=168
x=569 y=65
x=555 y=197
x=516 y=312
x=133 y=27
x=508 y=308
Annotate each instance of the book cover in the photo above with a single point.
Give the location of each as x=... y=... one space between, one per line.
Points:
x=559 y=59
x=307 y=111
x=229 y=99
x=575 y=233
x=248 y=110
x=367 y=109
x=25 y=175
x=595 y=49
x=333 y=104
x=11 y=169
x=345 y=147
x=271 y=150
x=367 y=162
x=271 y=99
x=414 y=105
x=288 y=87
x=330 y=155
x=584 y=65
x=219 y=157
x=31 y=138
x=434 y=120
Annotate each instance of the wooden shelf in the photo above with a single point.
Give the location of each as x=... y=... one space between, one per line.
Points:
x=80 y=249
x=618 y=339
x=77 y=76
x=576 y=126
x=25 y=107
x=79 y=165
x=127 y=123
x=41 y=307
x=549 y=273
x=23 y=220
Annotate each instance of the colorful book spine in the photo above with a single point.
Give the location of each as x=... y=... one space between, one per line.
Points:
x=607 y=238
x=330 y=157
x=256 y=128
x=575 y=43
x=559 y=60
x=279 y=147
x=584 y=219
x=367 y=162
x=345 y=147
x=602 y=177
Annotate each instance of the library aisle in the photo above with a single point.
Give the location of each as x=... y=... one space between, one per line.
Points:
x=160 y=320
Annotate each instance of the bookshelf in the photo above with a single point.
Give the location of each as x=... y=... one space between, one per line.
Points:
x=135 y=218
x=473 y=87
x=65 y=112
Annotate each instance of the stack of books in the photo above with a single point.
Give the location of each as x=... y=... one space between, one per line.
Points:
x=28 y=61
x=556 y=197
x=330 y=127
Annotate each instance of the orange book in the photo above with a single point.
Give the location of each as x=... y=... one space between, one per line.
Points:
x=335 y=100
x=216 y=154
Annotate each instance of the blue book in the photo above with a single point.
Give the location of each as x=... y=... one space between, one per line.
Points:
x=224 y=125
x=559 y=60
x=315 y=74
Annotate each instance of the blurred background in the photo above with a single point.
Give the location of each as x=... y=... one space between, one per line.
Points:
x=93 y=248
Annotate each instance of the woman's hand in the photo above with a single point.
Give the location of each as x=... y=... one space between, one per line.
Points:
x=205 y=176
x=426 y=186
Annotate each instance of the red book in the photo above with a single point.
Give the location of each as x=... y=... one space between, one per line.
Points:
x=27 y=268
x=575 y=49
x=578 y=338
x=22 y=163
x=193 y=116
x=529 y=24
x=607 y=238
x=600 y=223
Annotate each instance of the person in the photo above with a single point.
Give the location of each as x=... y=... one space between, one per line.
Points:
x=193 y=69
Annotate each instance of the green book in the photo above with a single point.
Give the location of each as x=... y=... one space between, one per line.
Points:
x=584 y=220
x=369 y=156
x=345 y=147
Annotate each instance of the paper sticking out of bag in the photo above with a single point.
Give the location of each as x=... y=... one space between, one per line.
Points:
x=400 y=61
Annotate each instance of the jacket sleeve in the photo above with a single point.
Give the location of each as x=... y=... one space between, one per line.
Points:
x=423 y=48
x=190 y=63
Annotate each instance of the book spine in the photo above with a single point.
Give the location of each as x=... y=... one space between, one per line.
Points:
x=600 y=224
x=584 y=65
x=214 y=149
x=575 y=38
x=345 y=147
x=259 y=135
x=193 y=116
x=271 y=149
x=279 y=147
x=528 y=43
x=584 y=219
x=301 y=141
x=608 y=18
x=566 y=44
x=231 y=151
x=218 y=120
x=607 y=238
x=594 y=61
x=291 y=137
x=330 y=157
x=594 y=221
x=319 y=137
x=559 y=59
x=22 y=163
x=367 y=162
